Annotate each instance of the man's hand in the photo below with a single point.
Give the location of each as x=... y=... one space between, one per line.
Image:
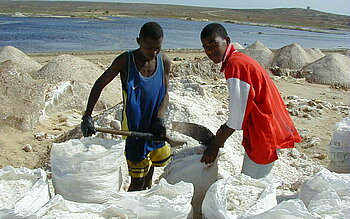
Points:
x=157 y=127
x=87 y=126
x=210 y=154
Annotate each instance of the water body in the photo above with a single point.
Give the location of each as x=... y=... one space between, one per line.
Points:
x=30 y=34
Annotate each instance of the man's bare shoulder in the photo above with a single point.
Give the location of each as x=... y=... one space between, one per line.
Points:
x=165 y=58
x=120 y=63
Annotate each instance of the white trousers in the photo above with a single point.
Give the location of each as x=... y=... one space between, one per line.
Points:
x=255 y=170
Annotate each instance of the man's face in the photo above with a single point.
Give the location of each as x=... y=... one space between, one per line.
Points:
x=215 y=47
x=149 y=47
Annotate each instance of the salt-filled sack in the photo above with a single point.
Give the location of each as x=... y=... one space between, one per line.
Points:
x=58 y=207
x=22 y=191
x=87 y=169
x=327 y=194
x=339 y=147
x=186 y=166
x=240 y=197
x=164 y=201
x=293 y=208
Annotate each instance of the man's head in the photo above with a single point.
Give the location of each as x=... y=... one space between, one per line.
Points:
x=150 y=40
x=215 y=41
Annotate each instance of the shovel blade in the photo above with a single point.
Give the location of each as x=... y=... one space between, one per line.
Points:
x=196 y=131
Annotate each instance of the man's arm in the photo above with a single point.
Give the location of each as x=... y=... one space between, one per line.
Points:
x=164 y=104
x=118 y=65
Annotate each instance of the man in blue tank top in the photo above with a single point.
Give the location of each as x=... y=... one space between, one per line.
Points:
x=144 y=75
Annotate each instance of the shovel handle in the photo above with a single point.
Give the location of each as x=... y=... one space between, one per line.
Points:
x=143 y=135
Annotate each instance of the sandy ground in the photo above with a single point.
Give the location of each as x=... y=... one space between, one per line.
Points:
x=12 y=140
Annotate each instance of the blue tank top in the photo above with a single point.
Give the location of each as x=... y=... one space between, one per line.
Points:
x=141 y=102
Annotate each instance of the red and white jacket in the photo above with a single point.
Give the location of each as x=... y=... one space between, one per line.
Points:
x=257 y=108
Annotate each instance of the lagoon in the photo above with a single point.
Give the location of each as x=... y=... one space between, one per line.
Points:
x=47 y=34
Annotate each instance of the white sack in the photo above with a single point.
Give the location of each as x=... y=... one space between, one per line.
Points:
x=186 y=166
x=20 y=204
x=327 y=194
x=58 y=207
x=164 y=201
x=339 y=147
x=291 y=209
x=87 y=169
x=262 y=195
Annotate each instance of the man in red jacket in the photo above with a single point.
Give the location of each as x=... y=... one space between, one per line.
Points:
x=255 y=106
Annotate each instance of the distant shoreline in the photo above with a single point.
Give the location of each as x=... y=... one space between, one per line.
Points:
x=119 y=51
x=106 y=18
x=291 y=27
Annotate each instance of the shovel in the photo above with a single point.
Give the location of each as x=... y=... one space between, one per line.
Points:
x=196 y=131
x=148 y=136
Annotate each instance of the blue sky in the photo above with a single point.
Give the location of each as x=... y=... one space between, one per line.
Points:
x=332 y=6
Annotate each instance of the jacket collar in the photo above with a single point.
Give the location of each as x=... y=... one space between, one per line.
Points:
x=230 y=49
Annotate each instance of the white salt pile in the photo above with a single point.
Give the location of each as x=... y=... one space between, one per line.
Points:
x=241 y=197
x=22 y=61
x=82 y=74
x=237 y=45
x=292 y=57
x=22 y=97
x=331 y=69
x=204 y=68
x=68 y=67
x=316 y=53
x=260 y=53
x=257 y=45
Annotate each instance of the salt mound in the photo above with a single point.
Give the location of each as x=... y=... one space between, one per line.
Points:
x=237 y=45
x=22 y=61
x=315 y=53
x=257 y=45
x=331 y=69
x=202 y=68
x=260 y=53
x=68 y=67
x=22 y=98
x=81 y=74
x=292 y=56
x=263 y=56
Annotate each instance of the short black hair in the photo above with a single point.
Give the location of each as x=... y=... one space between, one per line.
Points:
x=152 y=30
x=214 y=28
